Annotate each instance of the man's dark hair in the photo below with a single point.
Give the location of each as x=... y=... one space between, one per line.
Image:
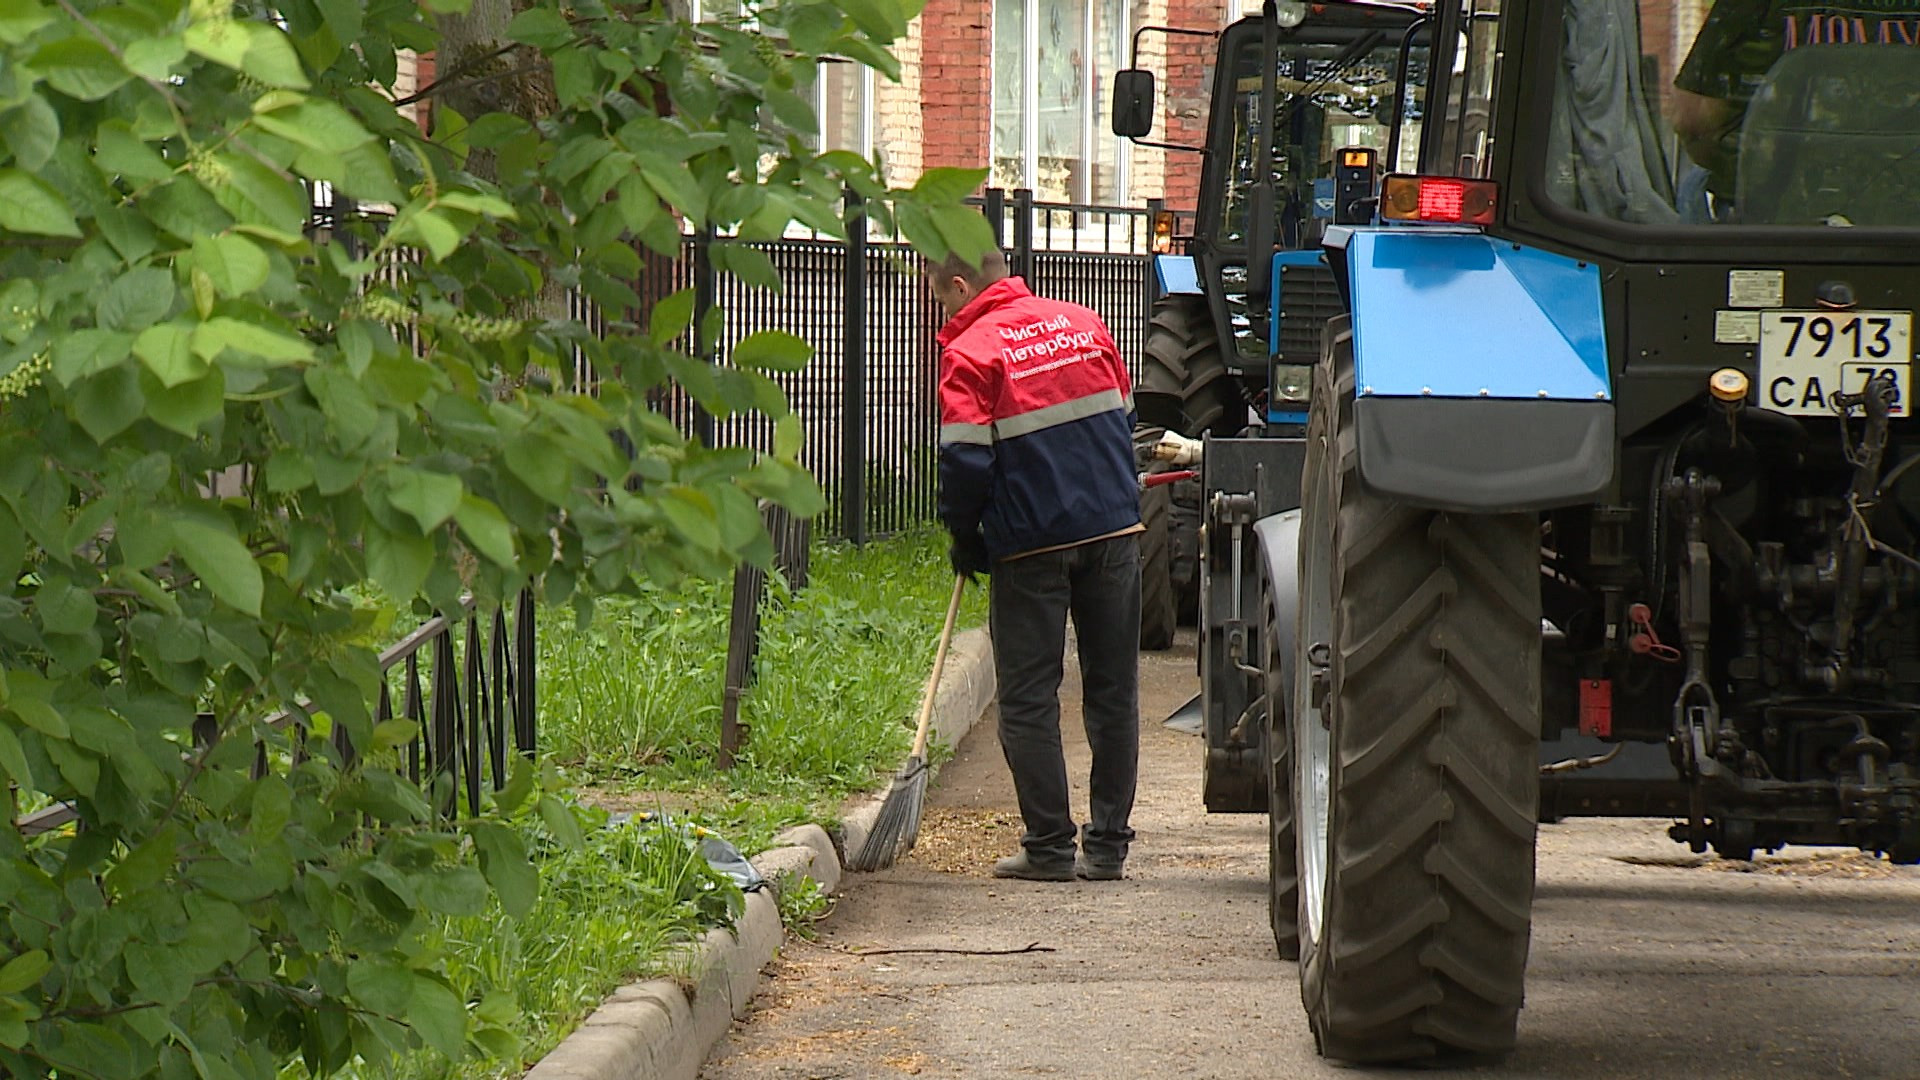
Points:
x=993 y=267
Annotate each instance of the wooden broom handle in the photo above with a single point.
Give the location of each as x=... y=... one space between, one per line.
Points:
x=939 y=664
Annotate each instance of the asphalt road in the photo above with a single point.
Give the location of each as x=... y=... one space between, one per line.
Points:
x=1647 y=961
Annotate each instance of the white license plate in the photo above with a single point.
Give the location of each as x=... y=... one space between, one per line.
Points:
x=1808 y=356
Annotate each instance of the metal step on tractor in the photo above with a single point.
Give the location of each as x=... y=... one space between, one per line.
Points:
x=1547 y=368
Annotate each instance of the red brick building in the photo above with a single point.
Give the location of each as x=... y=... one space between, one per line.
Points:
x=1023 y=88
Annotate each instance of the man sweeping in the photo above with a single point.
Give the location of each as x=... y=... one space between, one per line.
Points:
x=1038 y=487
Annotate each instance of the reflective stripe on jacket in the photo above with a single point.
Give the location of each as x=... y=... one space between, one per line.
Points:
x=1036 y=424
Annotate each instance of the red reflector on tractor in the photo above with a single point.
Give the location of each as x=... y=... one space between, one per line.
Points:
x=1596 y=707
x=1440 y=199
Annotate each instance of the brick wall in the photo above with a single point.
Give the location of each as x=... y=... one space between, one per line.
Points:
x=956 y=80
x=1186 y=81
x=899 y=127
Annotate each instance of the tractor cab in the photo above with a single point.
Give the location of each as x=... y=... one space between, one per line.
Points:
x=1333 y=86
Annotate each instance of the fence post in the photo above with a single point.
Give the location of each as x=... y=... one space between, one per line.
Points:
x=853 y=396
x=703 y=289
x=1023 y=233
x=1154 y=207
x=994 y=206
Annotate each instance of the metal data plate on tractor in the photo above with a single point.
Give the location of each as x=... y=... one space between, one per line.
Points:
x=1807 y=356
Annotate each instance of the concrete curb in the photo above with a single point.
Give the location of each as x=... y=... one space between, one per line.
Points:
x=663 y=1029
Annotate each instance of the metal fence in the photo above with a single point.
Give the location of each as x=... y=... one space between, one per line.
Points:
x=867 y=401
x=466 y=679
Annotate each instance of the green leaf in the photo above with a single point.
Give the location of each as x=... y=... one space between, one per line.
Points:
x=32 y=130
x=159 y=973
x=65 y=608
x=154 y=58
x=311 y=122
x=399 y=564
x=258 y=195
x=88 y=352
x=459 y=891
x=671 y=317
x=136 y=300
x=40 y=716
x=19 y=19
x=214 y=552
x=234 y=264
x=540 y=27
x=270 y=58
x=29 y=205
x=437 y=1016
x=541 y=466
x=965 y=231
x=948 y=185
x=772 y=350
x=430 y=498
x=576 y=79
x=221 y=40
x=429 y=230
x=380 y=984
x=80 y=67
x=752 y=265
x=676 y=185
x=108 y=403
x=691 y=515
x=13 y=759
x=238 y=341
x=185 y=408
x=486 y=528
x=503 y=859
x=272 y=807
x=23 y=971
x=561 y=821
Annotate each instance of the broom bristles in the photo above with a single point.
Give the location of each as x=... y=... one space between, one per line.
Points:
x=897 y=826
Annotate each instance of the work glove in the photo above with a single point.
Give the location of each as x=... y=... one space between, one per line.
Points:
x=969 y=556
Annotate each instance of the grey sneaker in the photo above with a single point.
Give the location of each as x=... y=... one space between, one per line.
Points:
x=1019 y=866
x=1097 y=871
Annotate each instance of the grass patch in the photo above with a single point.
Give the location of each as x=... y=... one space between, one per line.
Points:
x=630 y=708
x=609 y=911
x=632 y=703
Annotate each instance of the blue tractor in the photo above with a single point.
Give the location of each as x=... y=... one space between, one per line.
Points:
x=1599 y=495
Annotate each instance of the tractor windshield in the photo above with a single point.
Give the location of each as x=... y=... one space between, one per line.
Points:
x=1331 y=95
x=1732 y=112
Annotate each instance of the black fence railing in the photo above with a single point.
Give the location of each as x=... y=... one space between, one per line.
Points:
x=472 y=709
x=867 y=402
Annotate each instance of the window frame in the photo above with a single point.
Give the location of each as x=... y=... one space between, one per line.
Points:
x=1528 y=209
x=1093 y=101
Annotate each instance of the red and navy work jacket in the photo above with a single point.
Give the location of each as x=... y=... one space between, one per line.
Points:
x=1036 y=446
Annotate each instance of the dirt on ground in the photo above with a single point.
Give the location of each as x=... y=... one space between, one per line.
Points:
x=1647 y=960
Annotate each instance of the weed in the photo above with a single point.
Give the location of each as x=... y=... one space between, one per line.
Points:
x=802 y=903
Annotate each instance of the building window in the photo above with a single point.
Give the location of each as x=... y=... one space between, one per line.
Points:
x=843 y=95
x=1052 y=121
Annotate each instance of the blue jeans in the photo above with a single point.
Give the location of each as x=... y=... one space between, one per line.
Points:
x=1098 y=583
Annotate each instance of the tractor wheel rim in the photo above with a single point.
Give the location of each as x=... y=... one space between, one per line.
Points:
x=1312 y=740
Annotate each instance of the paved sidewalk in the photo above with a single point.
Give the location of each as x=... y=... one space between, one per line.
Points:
x=1647 y=962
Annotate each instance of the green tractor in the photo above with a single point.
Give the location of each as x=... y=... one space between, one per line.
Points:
x=1592 y=491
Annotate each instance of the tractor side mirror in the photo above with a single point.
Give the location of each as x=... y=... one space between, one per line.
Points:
x=1133 y=103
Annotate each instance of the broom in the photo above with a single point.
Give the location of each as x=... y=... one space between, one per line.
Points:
x=898 y=824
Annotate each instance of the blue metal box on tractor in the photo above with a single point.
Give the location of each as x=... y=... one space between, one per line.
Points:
x=1545 y=365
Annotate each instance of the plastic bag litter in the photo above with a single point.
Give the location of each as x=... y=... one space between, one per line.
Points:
x=720 y=854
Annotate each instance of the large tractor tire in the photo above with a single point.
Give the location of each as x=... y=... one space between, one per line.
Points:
x=1283 y=880
x=1157 y=609
x=1416 y=724
x=1184 y=382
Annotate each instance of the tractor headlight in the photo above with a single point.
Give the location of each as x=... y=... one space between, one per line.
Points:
x=1292 y=384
